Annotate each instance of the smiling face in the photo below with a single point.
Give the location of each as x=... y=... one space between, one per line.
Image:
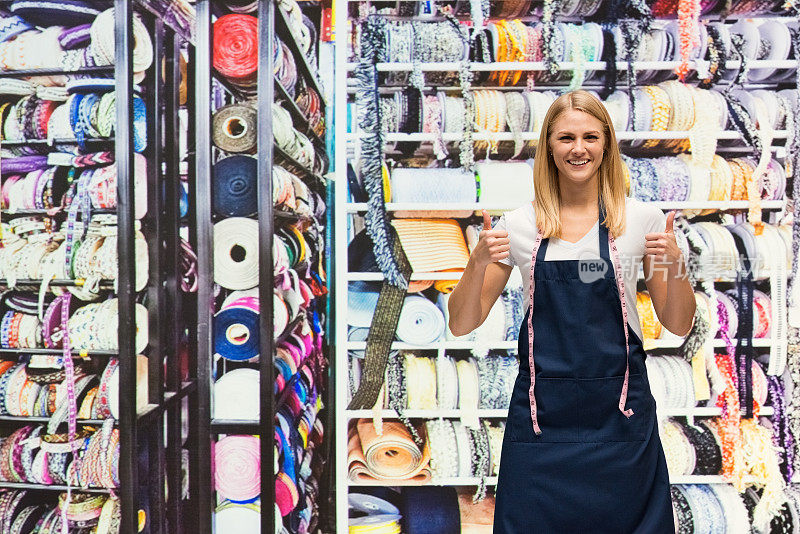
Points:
x=576 y=142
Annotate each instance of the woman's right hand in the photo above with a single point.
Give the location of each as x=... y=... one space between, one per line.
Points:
x=493 y=245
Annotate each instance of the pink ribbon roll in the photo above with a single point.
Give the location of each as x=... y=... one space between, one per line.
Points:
x=237 y=467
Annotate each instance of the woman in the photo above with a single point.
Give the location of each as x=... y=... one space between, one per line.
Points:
x=581 y=451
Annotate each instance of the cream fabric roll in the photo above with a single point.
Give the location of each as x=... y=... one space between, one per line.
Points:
x=506 y=183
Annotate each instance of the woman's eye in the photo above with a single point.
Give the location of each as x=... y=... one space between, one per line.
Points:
x=591 y=137
x=565 y=138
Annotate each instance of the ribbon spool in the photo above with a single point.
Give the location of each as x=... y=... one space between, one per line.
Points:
x=236 y=330
x=238 y=518
x=233 y=128
x=236 y=253
x=236 y=48
x=237 y=467
x=234 y=191
x=236 y=395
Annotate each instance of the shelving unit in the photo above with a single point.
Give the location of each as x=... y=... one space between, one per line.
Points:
x=272 y=22
x=349 y=217
x=142 y=430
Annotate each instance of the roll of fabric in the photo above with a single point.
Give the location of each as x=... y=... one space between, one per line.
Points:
x=433 y=245
x=506 y=183
x=236 y=48
x=430 y=509
x=234 y=128
x=421 y=321
x=476 y=518
x=237 y=467
x=230 y=517
x=391 y=456
x=235 y=187
x=236 y=253
x=236 y=395
x=236 y=330
x=433 y=185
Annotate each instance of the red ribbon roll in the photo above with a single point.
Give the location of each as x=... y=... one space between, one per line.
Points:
x=236 y=48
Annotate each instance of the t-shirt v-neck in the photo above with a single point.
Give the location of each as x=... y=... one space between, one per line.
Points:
x=591 y=233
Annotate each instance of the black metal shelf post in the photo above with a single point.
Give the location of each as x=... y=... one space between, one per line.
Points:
x=266 y=95
x=129 y=476
x=205 y=270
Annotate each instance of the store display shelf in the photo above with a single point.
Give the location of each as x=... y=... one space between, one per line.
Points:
x=560 y=18
x=51 y=212
x=59 y=141
x=280 y=154
x=446 y=345
x=430 y=414
x=651 y=344
x=26 y=420
x=284 y=30
x=394 y=137
x=105 y=69
x=300 y=120
x=234 y=426
x=492 y=481
x=566 y=65
x=705 y=411
x=590 y=84
x=723 y=205
x=51 y=487
x=65 y=282
x=75 y=353
x=698 y=411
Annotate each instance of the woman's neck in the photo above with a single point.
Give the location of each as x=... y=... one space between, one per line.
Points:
x=577 y=197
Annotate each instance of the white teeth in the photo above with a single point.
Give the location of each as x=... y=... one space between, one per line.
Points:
x=578 y=163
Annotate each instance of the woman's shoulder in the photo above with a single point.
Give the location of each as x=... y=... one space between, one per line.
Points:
x=643 y=215
x=522 y=217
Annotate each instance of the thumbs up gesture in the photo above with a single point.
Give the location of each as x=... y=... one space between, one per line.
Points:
x=662 y=245
x=493 y=245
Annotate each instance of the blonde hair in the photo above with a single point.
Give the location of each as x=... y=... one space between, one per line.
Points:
x=611 y=184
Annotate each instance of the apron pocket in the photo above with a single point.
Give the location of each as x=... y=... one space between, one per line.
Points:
x=556 y=410
x=601 y=419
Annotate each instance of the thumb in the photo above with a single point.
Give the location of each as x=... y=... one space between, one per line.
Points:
x=487 y=221
x=670 y=220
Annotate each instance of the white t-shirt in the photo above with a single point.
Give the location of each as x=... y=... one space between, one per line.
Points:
x=640 y=219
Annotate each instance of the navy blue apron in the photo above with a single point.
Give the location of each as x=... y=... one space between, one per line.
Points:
x=591 y=469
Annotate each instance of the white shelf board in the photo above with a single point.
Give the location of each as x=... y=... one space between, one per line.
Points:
x=699 y=411
x=447 y=345
x=565 y=65
x=492 y=481
x=358 y=207
x=394 y=137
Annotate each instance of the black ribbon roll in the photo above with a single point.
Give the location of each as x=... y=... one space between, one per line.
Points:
x=235 y=191
x=233 y=129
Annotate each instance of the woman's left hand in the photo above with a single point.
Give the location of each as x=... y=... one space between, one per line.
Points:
x=662 y=246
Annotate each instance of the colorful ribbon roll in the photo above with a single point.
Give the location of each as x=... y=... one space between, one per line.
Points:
x=236 y=328
x=236 y=48
x=231 y=517
x=234 y=128
x=236 y=253
x=237 y=467
x=235 y=182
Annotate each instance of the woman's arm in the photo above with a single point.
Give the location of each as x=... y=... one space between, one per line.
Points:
x=482 y=282
x=667 y=280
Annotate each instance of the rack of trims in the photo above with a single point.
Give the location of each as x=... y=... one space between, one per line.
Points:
x=258 y=393
x=418 y=77
x=128 y=386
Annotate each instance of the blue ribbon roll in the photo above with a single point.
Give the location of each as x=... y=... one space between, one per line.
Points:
x=236 y=333
x=234 y=191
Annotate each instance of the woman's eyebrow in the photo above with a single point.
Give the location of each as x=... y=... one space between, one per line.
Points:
x=566 y=132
